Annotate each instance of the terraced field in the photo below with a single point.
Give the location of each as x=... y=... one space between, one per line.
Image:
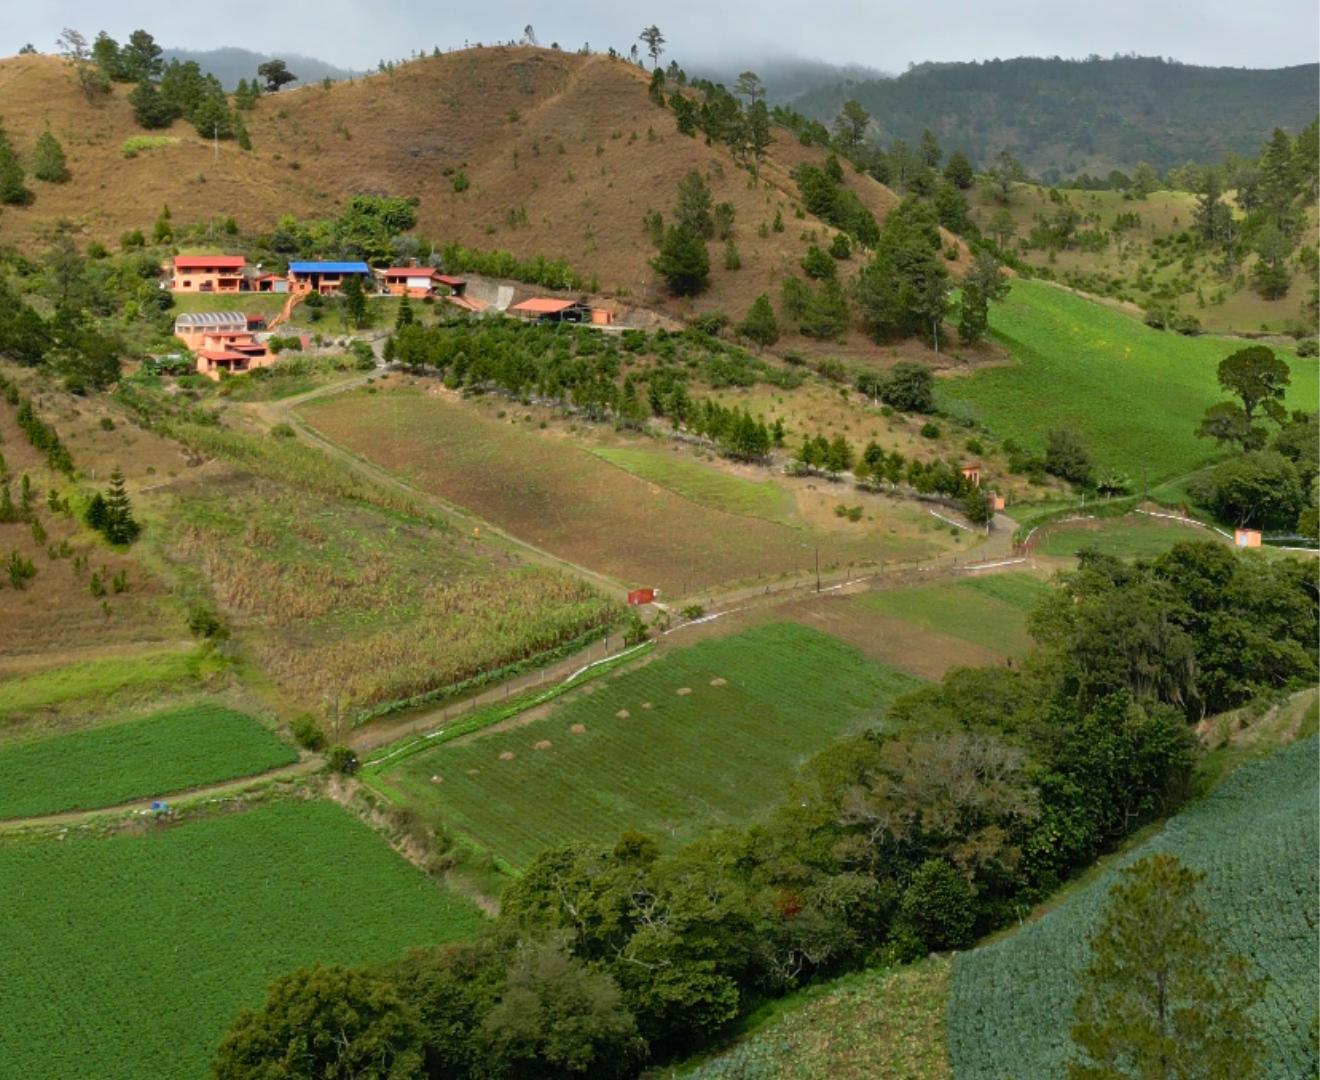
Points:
x=128 y=957
x=166 y=751
x=1135 y=395
x=1255 y=837
x=705 y=736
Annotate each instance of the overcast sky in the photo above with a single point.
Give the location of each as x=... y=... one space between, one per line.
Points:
x=885 y=34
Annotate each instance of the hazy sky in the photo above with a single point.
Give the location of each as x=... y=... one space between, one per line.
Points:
x=879 y=33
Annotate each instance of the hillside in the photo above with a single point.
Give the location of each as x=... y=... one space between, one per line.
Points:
x=1065 y=117
x=564 y=154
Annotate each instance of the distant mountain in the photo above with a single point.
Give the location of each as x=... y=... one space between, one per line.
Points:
x=786 y=78
x=1064 y=117
x=229 y=64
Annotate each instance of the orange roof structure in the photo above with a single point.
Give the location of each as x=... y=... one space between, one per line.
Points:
x=543 y=305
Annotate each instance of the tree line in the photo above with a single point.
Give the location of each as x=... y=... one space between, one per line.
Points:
x=978 y=798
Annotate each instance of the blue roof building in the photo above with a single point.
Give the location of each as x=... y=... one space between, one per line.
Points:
x=324 y=277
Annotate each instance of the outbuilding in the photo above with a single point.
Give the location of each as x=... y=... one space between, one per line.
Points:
x=548 y=309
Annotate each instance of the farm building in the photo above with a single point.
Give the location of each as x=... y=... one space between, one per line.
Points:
x=326 y=278
x=222 y=342
x=270 y=283
x=208 y=274
x=420 y=281
x=548 y=309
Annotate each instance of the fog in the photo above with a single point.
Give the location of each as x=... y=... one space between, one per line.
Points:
x=884 y=35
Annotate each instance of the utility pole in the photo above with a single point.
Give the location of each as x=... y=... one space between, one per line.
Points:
x=818 y=568
x=215 y=141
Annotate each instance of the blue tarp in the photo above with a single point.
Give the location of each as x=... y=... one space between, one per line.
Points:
x=329 y=268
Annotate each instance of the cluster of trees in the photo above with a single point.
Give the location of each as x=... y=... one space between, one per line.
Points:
x=82 y=293
x=721 y=115
x=1271 y=192
x=577 y=366
x=1269 y=483
x=40 y=434
x=683 y=260
x=982 y=793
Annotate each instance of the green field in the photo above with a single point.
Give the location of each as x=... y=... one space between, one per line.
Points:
x=1135 y=395
x=128 y=957
x=989 y=611
x=886 y=1023
x=171 y=750
x=705 y=485
x=649 y=756
x=1129 y=537
x=99 y=679
x=1255 y=837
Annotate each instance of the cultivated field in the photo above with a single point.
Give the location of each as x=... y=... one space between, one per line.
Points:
x=128 y=957
x=876 y=1025
x=1011 y=1001
x=988 y=612
x=543 y=488
x=1135 y=395
x=166 y=751
x=704 y=736
x=348 y=603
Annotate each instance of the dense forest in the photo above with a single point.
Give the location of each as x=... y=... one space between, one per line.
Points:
x=1063 y=117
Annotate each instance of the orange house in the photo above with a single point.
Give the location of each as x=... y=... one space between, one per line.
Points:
x=209 y=274
x=222 y=342
x=1246 y=538
x=972 y=473
x=326 y=278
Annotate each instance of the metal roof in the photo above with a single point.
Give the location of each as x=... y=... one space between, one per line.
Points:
x=208 y=262
x=412 y=271
x=544 y=305
x=211 y=320
x=329 y=268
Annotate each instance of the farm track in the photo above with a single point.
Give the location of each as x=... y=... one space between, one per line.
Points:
x=305 y=767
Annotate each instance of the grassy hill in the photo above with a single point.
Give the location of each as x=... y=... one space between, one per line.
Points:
x=1065 y=117
x=564 y=154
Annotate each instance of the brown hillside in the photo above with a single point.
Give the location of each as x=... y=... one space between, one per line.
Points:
x=572 y=140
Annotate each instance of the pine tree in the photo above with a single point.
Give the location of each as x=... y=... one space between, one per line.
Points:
x=12 y=190
x=242 y=136
x=760 y=326
x=120 y=527
x=151 y=109
x=48 y=159
x=405 y=316
x=683 y=261
x=355 y=302
x=163 y=231
x=1162 y=997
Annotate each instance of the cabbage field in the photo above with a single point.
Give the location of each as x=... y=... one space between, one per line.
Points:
x=1255 y=837
x=166 y=751
x=127 y=957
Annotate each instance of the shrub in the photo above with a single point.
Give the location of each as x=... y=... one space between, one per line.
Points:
x=461 y=182
x=930 y=430
x=283 y=431
x=693 y=611
x=342 y=759
x=307 y=733
x=1309 y=347
x=205 y=623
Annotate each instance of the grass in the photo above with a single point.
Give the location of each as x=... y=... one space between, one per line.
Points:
x=1254 y=835
x=1133 y=394
x=706 y=486
x=705 y=736
x=1129 y=537
x=99 y=678
x=348 y=603
x=129 y=956
x=248 y=302
x=986 y=611
x=879 y=1025
x=136 y=144
x=171 y=750
x=561 y=497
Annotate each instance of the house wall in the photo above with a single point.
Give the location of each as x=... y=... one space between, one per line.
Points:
x=196 y=281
